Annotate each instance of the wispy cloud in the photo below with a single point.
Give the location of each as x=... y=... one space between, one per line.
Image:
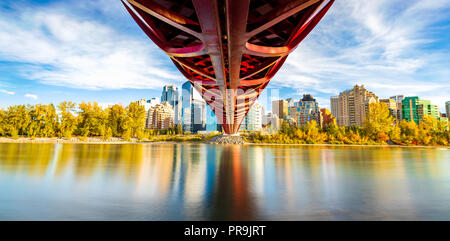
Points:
x=31 y=96
x=7 y=92
x=68 y=50
x=393 y=47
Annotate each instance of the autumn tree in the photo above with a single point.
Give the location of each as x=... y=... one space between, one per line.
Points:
x=117 y=116
x=378 y=121
x=43 y=121
x=179 y=129
x=135 y=121
x=92 y=119
x=3 y=130
x=312 y=132
x=442 y=133
x=17 y=119
x=68 y=122
x=426 y=129
x=433 y=131
x=409 y=131
x=335 y=133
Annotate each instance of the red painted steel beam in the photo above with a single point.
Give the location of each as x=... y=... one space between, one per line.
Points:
x=229 y=50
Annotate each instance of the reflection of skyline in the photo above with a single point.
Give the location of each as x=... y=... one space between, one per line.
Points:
x=232 y=182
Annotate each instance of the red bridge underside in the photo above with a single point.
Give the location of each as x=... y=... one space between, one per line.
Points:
x=228 y=49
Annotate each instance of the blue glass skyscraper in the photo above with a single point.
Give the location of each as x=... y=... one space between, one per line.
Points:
x=211 y=120
x=170 y=94
x=193 y=111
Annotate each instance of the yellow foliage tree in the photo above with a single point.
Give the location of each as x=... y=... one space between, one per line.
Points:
x=378 y=120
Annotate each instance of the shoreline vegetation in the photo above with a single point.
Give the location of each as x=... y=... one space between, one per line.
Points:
x=113 y=140
x=178 y=140
x=90 y=123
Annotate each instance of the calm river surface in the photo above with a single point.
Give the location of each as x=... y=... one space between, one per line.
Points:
x=213 y=182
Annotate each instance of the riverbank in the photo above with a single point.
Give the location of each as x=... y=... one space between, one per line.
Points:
x=92 y=140
x=113 y=140
x=175 y=140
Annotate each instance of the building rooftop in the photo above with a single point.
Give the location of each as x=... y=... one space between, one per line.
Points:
x=308 y=97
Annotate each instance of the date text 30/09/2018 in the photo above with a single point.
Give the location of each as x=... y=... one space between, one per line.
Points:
x=235 y=230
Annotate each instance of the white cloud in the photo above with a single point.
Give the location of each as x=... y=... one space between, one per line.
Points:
x=71 y=51
x=31 y=96
x=382 y=44
x=7 y=92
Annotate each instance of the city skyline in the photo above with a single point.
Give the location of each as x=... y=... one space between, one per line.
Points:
x=49 y=53
x=349 y=108
x=273 y=101
x=238 y=111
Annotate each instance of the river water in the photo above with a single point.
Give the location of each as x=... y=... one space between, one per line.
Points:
x=229 y=182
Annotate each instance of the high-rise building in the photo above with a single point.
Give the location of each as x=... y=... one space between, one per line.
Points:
x=414 y=109
x=272 y=120
x=253 y=120
x=186 y=105
x=334 y=103
x=327 y=117
x=433 y=110
x=193 y=111
x=306 y=111
x=447 y=109
x=211 y=121
x=160 y=116
x=143 y=102
x=351 y=106
x=280 y=108
x=198 y=120
x=390 y=103
x=291 y=102
x=393 y=108
x=409 y=109
x=171 y=95
x=147 y=104
x=266 y=119
x=398 y=99
x=153 y=101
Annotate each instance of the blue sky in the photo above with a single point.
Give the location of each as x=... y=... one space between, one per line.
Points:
x=93 y=51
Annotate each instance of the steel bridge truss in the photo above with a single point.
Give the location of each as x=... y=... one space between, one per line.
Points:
x=228 y=49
